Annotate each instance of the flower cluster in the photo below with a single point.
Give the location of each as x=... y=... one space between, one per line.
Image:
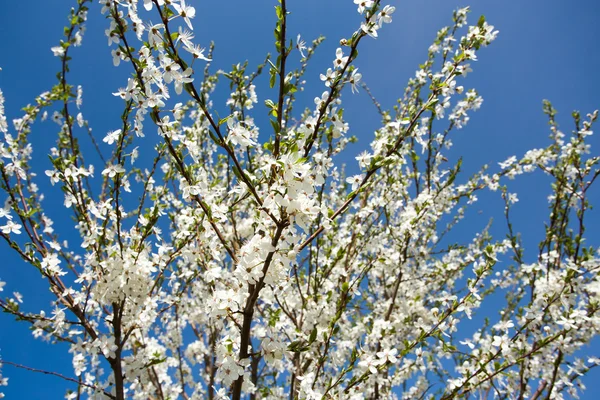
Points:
x=241 y=259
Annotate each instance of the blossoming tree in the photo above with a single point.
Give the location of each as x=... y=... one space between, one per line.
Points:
x=230 y=264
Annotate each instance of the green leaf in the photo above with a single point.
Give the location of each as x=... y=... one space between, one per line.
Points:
x=432 y=103
x=189 y=88
x=295 y=345
x=273 y=66
x=275 y=125
x=481 y=21
x=237 y=172
x=214 y=137
x=313 y=336
x=155 y=361
x=289 y=88
x=223 y=120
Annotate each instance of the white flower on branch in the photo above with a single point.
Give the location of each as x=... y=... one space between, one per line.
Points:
x=112 y=170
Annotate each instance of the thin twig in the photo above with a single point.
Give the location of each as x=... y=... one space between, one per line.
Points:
x=66 y=378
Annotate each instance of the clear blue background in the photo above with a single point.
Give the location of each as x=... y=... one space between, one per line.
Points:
x=545 y=50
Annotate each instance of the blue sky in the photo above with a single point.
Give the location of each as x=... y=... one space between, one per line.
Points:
x=545 y=50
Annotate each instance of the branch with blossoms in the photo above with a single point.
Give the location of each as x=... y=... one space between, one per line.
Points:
x=238 y=264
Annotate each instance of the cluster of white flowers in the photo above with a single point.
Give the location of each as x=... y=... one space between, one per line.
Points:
x=236 y=263
x=10 y=226
x=161 y=68
x=374 y=19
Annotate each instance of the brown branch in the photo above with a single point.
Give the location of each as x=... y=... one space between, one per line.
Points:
x=248 y=312
x=283 y=57
x=215 y=126
x=66 y=378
